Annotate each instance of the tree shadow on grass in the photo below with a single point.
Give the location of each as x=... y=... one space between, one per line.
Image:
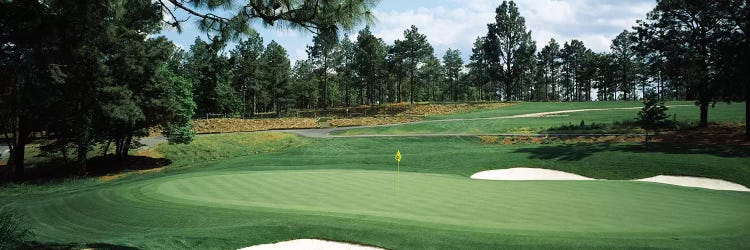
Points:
x=580 y=151
x=98 y=166
x=40 y=246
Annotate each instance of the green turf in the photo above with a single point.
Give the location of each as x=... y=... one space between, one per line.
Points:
x=686 y=114
x=231 y=191
x=553 y=206
x=280 y=195
x=536 y=107
x=588 y=211
x=222 y=146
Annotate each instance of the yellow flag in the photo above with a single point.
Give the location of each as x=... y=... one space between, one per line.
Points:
x=398 y=155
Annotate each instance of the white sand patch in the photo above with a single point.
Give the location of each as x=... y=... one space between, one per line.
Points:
x=523 y=174
x=543 y=114
x=310 y=244
x=700 y=182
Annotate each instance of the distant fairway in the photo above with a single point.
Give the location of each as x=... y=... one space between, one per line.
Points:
x=721 y=113
x=535 y=107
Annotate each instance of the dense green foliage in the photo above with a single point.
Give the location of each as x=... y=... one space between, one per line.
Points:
x=509 y=50
x=324 y=54
x=212 y=78
x=506 y=65
x=13 y=229
x=690 y=42
x=275 y=75
x=90 y=74
x=653 y=115
x=312 y=15
x=412 y=51
x=453 y=65
x=105 y=87
x=246 y=68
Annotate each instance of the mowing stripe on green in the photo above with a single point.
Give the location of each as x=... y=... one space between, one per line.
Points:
x=560 y=206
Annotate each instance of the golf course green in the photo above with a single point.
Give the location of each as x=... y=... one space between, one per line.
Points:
x=229 y=191
x=204 y=205
x=589 y=207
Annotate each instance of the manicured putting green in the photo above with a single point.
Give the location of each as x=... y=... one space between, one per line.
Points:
x=602 y=207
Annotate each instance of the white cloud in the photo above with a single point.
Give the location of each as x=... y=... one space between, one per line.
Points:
x=456 y=23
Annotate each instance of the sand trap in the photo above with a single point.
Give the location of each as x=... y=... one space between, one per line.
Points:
x=310 y=244
x=524 y=174
x=700 y=182
x=519 y=174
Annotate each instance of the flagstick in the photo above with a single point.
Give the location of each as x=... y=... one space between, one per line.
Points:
x=398 y=176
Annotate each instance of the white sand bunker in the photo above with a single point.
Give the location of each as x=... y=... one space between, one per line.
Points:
x=700 y=182
x=522 y=174
x=519 y=174
x=310 y=244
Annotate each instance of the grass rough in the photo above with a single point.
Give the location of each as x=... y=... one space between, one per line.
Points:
x=13 y=229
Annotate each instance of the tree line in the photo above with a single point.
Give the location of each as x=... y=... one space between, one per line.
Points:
x=682 y=50
x=93 y=75
x=85 y=73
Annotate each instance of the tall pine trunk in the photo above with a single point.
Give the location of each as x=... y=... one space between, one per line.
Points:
x=661 y=95
x=82 y=149
x=398 y=89
x=347 y=98
x=411 y=87
x=704 y=113
x=546 y=91
x=747 y=109
x=746 y=60
x=323 y=103
x=17 y=156
x=255 y=104
x=361 y=94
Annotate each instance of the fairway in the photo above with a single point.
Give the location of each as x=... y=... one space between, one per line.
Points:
x=493 y=121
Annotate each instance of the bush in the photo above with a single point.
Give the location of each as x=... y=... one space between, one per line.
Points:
x=12 y=230
x=653 y=116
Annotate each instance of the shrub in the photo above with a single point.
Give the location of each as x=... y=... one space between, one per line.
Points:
x=653 y=116
x=13 y=232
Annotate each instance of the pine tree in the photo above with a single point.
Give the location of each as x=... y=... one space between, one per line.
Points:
x=322 y=55
x=478 y=67
x=246 y=63
x=413 y=51
x=275 y=74
x=509 y=48
x=653 y=116
x=453 y=66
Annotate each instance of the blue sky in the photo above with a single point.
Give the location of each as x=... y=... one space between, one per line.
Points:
x=456 y=23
